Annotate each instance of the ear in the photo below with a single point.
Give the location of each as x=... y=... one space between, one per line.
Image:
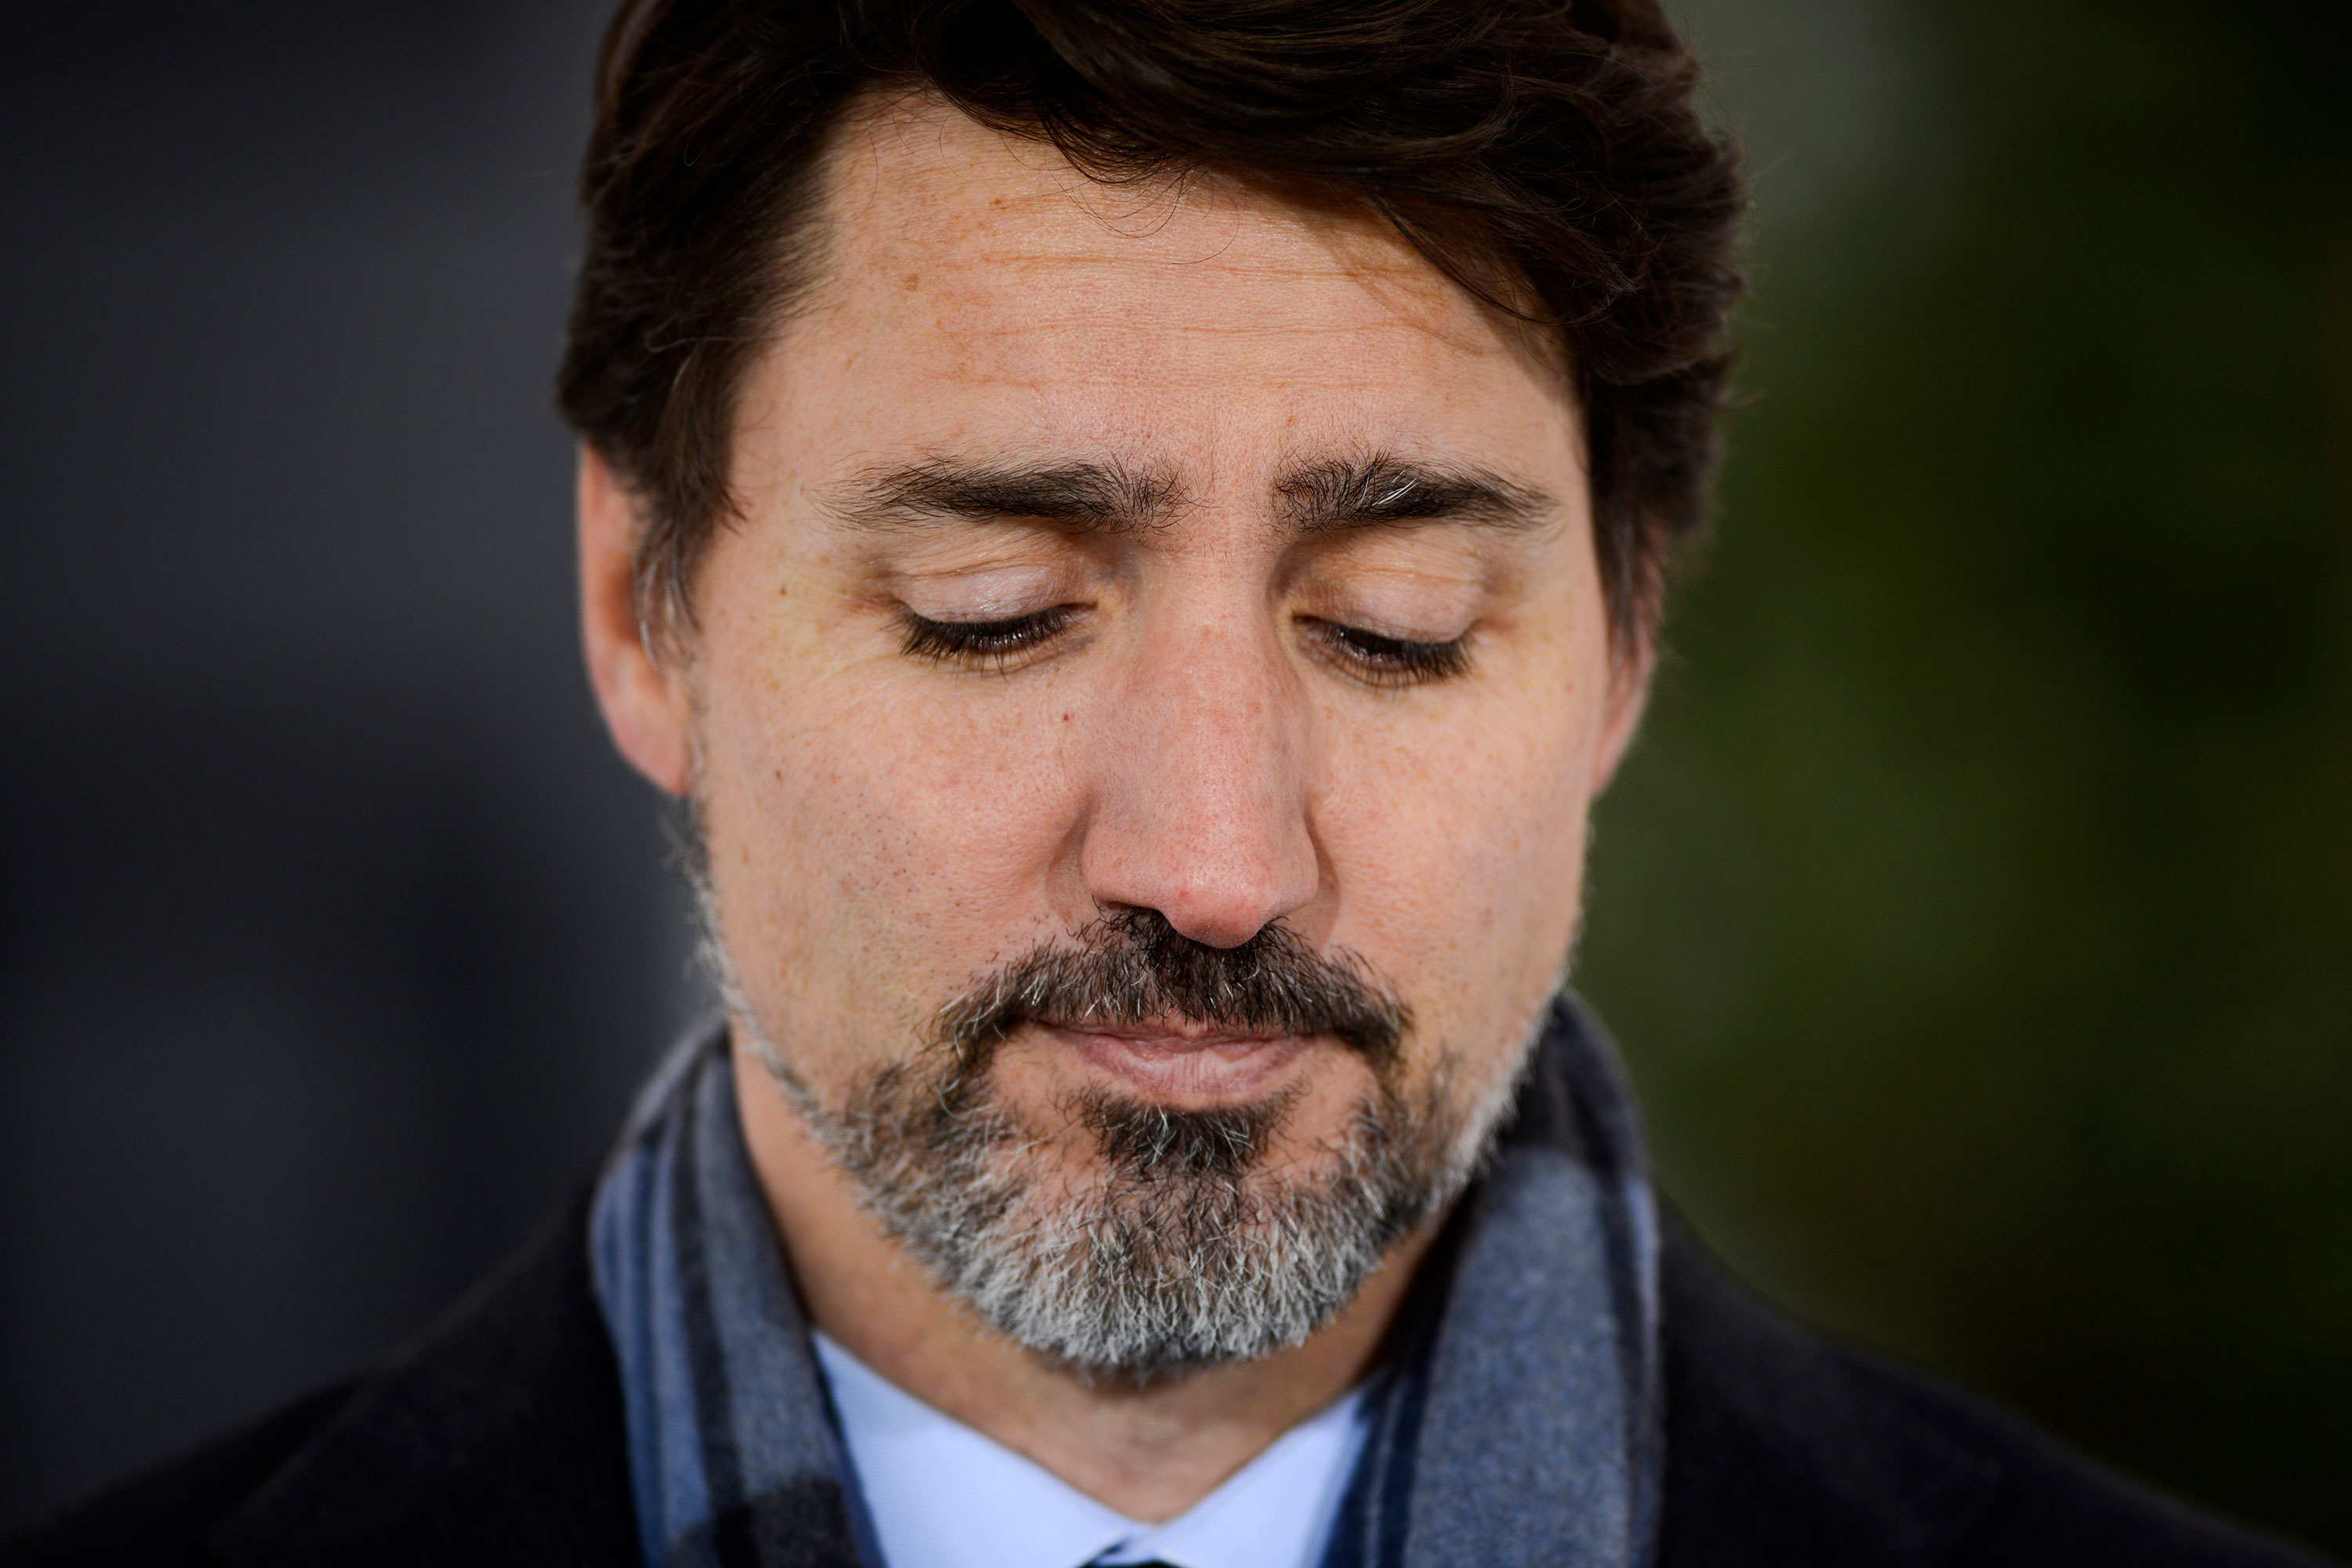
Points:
x=1629 y=694
x=647 y=708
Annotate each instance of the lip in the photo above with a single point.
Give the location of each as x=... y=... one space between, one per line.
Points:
x=1174 y=1062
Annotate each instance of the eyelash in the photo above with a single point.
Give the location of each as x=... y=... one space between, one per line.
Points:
x=1383 y=660
x=978 y=643
x=1395 y=661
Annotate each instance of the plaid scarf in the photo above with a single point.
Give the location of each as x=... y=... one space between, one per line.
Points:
x=1518 y=1423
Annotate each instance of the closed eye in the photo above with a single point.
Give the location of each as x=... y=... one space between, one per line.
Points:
x=1392 y=661
x=980 y=644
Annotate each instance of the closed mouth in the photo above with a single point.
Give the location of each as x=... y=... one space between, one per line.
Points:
x=1179 y=1060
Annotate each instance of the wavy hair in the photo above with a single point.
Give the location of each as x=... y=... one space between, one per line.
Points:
x=1545 y=154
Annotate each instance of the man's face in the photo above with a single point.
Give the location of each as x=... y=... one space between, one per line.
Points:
x=1143 y=571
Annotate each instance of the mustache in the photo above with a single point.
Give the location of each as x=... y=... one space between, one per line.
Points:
x=1131 y=969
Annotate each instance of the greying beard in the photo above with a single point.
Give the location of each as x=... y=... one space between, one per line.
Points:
x=1181 y=1252
x=1182 y=1249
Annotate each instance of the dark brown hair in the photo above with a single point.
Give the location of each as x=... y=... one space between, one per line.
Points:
x=1546 y=153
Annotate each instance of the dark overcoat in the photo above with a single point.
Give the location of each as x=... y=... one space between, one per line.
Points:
x=496 y=1439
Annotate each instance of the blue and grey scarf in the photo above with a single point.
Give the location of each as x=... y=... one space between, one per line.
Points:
x=1517 y=1423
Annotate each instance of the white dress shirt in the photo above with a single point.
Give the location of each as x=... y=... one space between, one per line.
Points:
x=941 y=1495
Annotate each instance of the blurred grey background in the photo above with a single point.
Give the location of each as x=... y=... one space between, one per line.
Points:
x=335 y=937
x=1976 y=910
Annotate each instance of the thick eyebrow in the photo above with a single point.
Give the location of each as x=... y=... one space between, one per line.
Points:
x=1381 y=489
x=1082 y=497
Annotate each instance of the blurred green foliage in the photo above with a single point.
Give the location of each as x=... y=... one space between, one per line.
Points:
x=1977 y=909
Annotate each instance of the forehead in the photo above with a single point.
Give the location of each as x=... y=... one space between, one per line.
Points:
x=975 y=286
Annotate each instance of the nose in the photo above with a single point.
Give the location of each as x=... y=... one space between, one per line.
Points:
x=1198 y=808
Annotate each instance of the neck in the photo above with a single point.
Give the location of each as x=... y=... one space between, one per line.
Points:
x=1149 y=1452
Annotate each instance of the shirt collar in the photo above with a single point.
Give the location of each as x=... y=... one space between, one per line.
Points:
x=943 y=1495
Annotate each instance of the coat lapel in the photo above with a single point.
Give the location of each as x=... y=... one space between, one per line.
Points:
x=496 y=1440
x=1781 y=1448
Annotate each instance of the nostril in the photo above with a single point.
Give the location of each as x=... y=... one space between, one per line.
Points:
x=1212 y=932
x=1225 y=913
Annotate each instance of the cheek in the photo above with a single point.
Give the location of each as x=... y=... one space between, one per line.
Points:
x=1458 y=849
x=874 y=847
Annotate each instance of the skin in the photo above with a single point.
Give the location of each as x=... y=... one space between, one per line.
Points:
x=1195 y=736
